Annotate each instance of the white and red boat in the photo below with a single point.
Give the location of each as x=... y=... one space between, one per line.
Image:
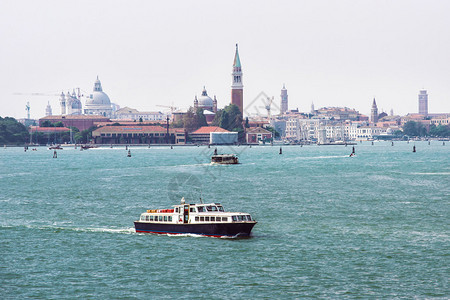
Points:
x=203 y=219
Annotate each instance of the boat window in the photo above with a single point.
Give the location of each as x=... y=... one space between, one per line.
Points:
x=170 y=218
x=201 y=208
x=234 y=218
x=202 y=219
x=211 y=208
x=224 y=219
x=196 y=219
x=165 y=218
x=156 y=218
x=176 y=209
x=249 y=218
x=160 y=218
x=206 y=219
x=220 y=208
x=151 y=218
x=142 y=218
x=213 y=219
x=192 y=209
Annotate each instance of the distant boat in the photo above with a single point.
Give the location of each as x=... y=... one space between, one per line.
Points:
x=85 y=147
x=56 y=147
x=225 y=159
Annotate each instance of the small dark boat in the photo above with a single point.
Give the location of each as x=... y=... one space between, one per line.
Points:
x=225 y=159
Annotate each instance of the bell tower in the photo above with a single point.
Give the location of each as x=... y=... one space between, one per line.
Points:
x=237 y=89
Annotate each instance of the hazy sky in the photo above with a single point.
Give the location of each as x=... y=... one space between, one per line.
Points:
x=332 y=53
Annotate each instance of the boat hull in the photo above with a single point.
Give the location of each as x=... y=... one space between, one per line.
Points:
x=215 y=230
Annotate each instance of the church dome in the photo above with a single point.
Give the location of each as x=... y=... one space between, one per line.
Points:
x=98 y=97
x=204 y=100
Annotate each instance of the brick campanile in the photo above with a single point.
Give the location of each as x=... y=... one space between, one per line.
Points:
x=237 y=89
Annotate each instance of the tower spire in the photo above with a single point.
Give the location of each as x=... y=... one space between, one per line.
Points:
x=237 y=89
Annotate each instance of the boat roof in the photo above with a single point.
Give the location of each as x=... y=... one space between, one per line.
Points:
x=224 y=155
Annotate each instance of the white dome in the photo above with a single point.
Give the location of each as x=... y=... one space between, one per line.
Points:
x=98 y=98
x=204 y=100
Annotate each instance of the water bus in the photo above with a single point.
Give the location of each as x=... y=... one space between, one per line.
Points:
x=204 y=219
x=225 y=159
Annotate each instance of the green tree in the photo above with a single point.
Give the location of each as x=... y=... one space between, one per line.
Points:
x=12 y=132
x=412 y=128
x=275 y=133
x=47 y=123
x=440 y=130
x=229 y=118
x=200 y=118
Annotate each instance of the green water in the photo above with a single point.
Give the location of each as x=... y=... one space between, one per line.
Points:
x=329 y=225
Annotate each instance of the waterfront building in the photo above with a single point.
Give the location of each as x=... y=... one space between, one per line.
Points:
x=254 y=135
x=127 y=113
x=237 y=88
x=81 y=122
x=423 y=103
x=48 y=109
x=98 y=103
x=374 y=112
x=440 y=119
x=138 y=135
x=284 y=101
x=203 y=134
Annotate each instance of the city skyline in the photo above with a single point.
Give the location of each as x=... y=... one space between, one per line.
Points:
x=331 y=54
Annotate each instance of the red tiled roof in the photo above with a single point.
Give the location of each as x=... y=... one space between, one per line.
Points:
x=209 y=129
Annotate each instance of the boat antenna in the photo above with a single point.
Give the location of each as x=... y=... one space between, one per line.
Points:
x=201 y=194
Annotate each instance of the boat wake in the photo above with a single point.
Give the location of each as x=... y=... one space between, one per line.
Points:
x=55 y=228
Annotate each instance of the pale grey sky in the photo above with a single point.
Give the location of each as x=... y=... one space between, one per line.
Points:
x=335 y=53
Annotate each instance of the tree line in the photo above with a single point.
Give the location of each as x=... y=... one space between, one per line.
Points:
x=417 y=129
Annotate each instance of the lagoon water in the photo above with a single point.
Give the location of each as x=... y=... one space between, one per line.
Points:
x=329 y=226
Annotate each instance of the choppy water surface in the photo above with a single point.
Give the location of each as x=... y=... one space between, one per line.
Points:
x=330 y=226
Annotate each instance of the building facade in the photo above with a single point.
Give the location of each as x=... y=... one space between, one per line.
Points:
x=138 y=135
x=81 y=122
x=127 y=113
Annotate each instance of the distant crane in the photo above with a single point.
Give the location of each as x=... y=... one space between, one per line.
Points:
x=171 y=107
x=268 y=106
x=36 y=94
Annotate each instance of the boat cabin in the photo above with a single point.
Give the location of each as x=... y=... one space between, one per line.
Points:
x=194 y=214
